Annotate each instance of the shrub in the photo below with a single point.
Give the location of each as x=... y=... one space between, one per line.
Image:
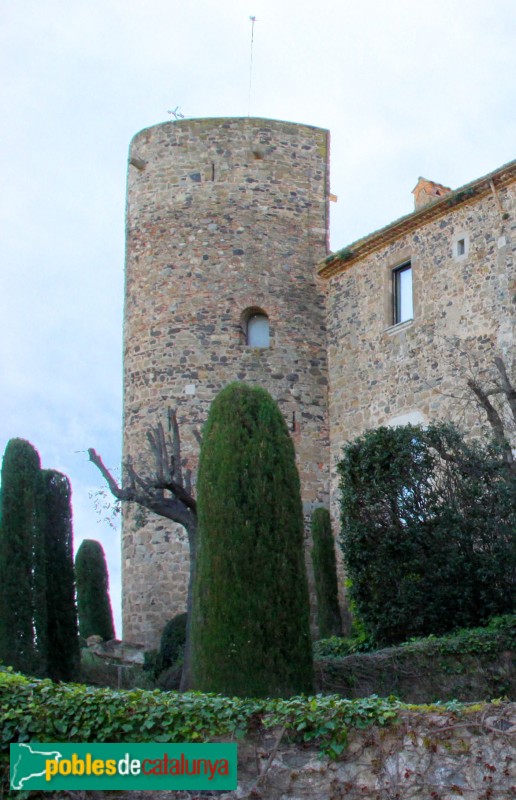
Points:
x=93 y=603
x=325 y=574
x=498 y=636
x=169 y=679
x=55 y=611
x=173 y=640
x=20 y=470
x=250 y=631
x=165 y=665
x=427 y=531
x=102 y=672
x=40 y=711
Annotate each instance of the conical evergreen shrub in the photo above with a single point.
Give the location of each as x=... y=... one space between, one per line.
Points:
x=325 y=574
x=93 y=603
x=251 y=611
x=55 y=612
x=20 y=469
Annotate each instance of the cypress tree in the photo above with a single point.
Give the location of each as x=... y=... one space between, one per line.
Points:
x=20 y=470
x=55 y=612
x=93 y=603
x=325 y=573
x=250 y=631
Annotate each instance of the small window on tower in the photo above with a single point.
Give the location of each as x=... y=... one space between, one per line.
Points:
x=257 y=333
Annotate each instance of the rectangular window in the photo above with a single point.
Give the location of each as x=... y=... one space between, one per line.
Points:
x=460 y=245
x=402 y=286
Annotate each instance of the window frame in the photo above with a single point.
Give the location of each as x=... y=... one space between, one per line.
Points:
x=398 y=293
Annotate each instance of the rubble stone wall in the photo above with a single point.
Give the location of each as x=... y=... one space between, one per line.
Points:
x=424 y=755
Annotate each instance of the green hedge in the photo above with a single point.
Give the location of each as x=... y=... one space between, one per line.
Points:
x=498 y=635
x=40 y=710
x=470 y=665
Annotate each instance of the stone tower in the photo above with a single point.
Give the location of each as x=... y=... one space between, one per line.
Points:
x=226 y=221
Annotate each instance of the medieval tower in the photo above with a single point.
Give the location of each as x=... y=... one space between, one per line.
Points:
x=226 y=221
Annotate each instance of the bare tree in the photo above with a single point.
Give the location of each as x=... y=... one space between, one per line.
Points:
x=166 y=491
x=481 y=384
x=501 y=416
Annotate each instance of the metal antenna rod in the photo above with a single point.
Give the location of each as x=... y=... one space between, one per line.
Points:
x=253 y=20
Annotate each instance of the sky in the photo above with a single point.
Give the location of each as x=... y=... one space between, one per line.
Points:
x=406 y=87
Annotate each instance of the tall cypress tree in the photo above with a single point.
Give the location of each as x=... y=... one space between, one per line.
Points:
x=93 y=603
x=55 y=612
x=250 y=633
x=20 y=469
x=325 y=574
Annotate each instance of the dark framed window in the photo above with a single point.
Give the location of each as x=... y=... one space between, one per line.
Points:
x=402 y=293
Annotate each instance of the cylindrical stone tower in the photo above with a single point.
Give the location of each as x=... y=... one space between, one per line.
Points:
x=226 y=221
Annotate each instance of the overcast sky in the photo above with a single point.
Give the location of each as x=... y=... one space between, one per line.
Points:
x=406 y=87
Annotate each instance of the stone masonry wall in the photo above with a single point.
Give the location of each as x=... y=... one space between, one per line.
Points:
x=223 y=216
x=464 y=314
x=433 y=754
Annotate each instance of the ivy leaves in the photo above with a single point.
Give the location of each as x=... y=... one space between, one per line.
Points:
x=41 y=710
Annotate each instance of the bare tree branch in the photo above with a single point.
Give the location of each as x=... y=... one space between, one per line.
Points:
x=453 y=459
x=153 y=440
x=114 y=488
x=148 y=494
x=180 y=492
x=176 y=444
x=507 y=387
x=494 y=419
x=137 y=480
x=188 y=482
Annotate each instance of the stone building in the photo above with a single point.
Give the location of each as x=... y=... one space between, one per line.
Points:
x=419 y=306
x=228 y=278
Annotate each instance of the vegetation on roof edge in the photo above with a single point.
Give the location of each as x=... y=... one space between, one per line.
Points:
x=450 y=200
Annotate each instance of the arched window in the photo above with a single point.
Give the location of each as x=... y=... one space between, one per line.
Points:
x=413 y=417
x=257 y=330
